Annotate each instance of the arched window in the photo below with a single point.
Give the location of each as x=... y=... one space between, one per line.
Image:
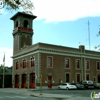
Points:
x=16 y=25
x=26 y=24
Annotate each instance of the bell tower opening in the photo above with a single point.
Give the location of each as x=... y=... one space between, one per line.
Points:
x=26 y=24
x=23 y=31
x=16 y=24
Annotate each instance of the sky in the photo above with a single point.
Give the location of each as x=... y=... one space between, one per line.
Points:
x=59 y=22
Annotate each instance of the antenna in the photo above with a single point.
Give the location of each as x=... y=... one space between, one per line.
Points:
x=88 y=25
x=89 y=33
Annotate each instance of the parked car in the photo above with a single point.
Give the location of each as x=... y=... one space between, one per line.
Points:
x=67 y=86
x=96 y=85
x=88 y=84
x=78 y=85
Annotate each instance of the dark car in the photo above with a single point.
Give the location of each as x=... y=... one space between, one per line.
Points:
x=88 y=84
x=96 y=85
x=78 y=85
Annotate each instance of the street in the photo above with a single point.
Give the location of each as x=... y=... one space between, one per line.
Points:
x=82 y=93
x=74 y=95
x=11 y=96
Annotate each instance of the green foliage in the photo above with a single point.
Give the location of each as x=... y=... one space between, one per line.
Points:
x=11 y=5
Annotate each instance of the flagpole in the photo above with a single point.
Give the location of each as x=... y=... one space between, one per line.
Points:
x=3 y=70
x=3 y=76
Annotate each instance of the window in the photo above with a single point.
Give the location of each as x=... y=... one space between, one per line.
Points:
x=17 y=65
x=98 y=65
x=87 y=64
x=67 y=63
x=24 y=63
x=67 y=77
x=26 y=24
x=32 y=62
x=78 y=78
x=21 y=64
x=33 y=78
x=87 y=76
x=16 y=23
x=77 y=64
x=49 y=61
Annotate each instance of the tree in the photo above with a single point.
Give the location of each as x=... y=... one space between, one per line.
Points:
x=16 y=4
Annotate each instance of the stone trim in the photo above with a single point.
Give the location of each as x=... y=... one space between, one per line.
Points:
x=56 y=52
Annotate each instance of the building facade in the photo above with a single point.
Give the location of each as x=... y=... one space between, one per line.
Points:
x=48 y=63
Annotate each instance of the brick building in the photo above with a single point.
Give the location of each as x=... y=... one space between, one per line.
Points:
x=54 y=63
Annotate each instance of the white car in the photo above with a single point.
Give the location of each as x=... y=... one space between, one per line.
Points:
x=66 y=86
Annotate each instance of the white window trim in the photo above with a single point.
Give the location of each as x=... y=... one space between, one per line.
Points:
x=26 y=63
x=65 y=63
x=79 y=64
x=30 y=62
x=18 y=64
x=76 y=76
x=47 y=61
x=96 y=66
x=89 y=64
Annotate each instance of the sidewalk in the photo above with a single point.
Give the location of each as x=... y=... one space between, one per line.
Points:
x=31 y=93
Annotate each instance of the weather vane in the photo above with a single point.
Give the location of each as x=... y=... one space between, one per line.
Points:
x=15 y=4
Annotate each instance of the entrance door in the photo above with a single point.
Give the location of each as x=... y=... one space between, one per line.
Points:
x=67 y=77
x=24 y=85
x=99 y=78
x=32 y=80
x=16 y=81
x=49 y=81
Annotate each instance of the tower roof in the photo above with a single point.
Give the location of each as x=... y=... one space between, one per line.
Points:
x=24 y=14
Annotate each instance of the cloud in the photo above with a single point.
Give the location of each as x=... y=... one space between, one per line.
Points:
x=65 y=10
x=3 y=12
x=8 y=53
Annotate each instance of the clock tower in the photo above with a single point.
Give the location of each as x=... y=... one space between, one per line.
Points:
x=23 y=32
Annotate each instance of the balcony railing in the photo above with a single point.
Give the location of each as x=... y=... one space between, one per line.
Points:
x=23 y=29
